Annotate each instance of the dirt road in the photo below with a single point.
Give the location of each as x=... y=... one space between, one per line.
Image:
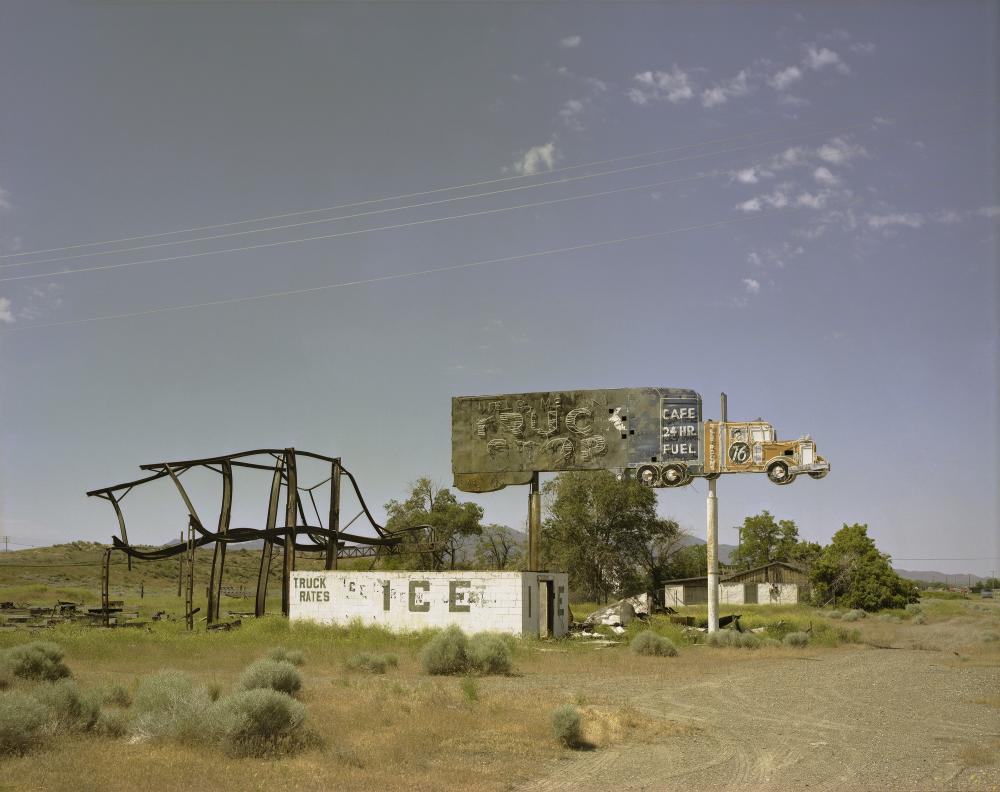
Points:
x=846 y=719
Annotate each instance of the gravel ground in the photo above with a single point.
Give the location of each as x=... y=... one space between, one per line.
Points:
x=855 y=718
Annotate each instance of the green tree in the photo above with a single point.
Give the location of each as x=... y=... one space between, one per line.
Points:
x=852 y=572
x=688 y=562
x=763 y=540
x=605 y=533
x=446 y=526
x=499 y=547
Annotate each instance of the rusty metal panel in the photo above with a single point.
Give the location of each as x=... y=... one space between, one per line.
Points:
x=498 y=439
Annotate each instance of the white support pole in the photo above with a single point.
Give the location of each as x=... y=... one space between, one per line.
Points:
x=713 y=558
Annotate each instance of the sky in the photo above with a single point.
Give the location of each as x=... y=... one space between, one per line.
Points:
x=795 y=203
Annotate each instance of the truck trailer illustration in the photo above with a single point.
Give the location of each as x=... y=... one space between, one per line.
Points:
x=655 y=435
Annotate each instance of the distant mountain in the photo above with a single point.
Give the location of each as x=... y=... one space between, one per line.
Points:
x=725 y=550
x=939 y=577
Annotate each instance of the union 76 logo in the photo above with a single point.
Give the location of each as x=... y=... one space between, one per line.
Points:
x=739 y=453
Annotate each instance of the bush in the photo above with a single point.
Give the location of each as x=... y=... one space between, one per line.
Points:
x=69 y=708
x=913 y=607
x=852 y=616
x=117 y=695
x=988 y=637
x=649 y=643
x=920 y=619
x=22 y=719
x=723 y=638
x=796 y=639
x=470 y=689
x=259 y=721
x=446 y=653
x=834 y=614
x=276 y=675
x=373 y=663
x=39 y=660
x=566 y=725
x=749 y=641
x=488 y=654
x=768 y=642
x=112 y=723
x=6 y=672
x=282 y=655
x=169 y=705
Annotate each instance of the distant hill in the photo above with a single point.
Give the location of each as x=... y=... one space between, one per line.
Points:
x=725 y=550
x=939 y=577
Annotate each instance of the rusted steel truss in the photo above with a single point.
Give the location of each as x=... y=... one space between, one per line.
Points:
x=294 y=534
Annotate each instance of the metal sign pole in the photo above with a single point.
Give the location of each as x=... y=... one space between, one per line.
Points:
x=713 y=535
x=534 y=524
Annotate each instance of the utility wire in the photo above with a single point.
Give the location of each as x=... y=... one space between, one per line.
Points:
x=286 y=226
x=395 y=226
x=404 y=196
x=383 y=278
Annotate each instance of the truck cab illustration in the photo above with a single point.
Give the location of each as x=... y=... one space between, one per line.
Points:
x=751 y=447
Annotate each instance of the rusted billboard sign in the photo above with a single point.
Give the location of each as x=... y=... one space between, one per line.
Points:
x=505 y=439
x=656 y=435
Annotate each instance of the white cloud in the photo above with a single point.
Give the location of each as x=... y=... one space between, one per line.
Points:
x=790 y=100
x=673 y=86
x=599 y=86
x=839 y=151
x=988 y=211
x=564 y=72
x=784 y=78
x=536 y=159
x=817 y=59
x=947 y=217
x=825 y=177
x=747 y=176
x=570 y=42
x=863 y=47
x=723 y=92
x=752 y=286
x=777 y=200
x=6 y=314
x=908 y=219
x=570 y=113
x=812 y=201
x=754 y=258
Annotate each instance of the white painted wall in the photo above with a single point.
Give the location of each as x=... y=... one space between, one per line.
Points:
x=731 y=593
x=474 y=600
x=777 y=593
x=673 y=596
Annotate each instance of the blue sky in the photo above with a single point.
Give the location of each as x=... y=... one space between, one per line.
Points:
x=808 y=193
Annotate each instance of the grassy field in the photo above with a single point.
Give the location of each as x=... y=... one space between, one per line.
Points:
x=405 y=729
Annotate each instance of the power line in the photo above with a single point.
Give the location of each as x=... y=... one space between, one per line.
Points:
x=395 y=226
x=418 y=194
x=421 y=205
x=383 y=278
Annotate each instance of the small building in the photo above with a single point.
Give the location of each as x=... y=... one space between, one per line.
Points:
x=777 y=583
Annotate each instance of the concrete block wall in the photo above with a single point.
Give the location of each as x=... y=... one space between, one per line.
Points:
x=777 y=593
x=476 y=601
x=731 y=594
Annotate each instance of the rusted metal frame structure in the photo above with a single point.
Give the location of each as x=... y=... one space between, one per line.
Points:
x=332 y=541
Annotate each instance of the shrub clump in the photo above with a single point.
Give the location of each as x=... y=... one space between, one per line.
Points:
x=69 y=708
x=852 y=615
x=649 y=643
x=6 y=672
x=282 y=655
x=112 y=723
x=566 y=725
x=489 y=654
x=989 y=637
x=22 y=721
x=834 y=614
x=169 y=705
x=913 y=607
x=451 y=652
x=39 y=660
x=373 y=663
x=118 y=696
x=258 y=722
x=796 y=639
x=276 y=675
x=446 y=653
x=920 y=619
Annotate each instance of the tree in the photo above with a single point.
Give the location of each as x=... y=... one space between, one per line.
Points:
x=605 y=533
x=688 y=562
x=448 y=523
x=499 y=547
x=852 y=571
x=763 y=540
